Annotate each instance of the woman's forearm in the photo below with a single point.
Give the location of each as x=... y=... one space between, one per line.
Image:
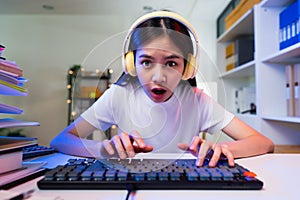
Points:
x=73 y=145
x=250 y=146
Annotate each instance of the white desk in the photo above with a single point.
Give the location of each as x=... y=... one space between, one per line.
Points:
x=279 y=172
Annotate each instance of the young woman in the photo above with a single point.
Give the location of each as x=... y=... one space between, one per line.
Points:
x=154 y=106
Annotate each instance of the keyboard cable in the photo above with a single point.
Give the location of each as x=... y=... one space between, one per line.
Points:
x=130 y=192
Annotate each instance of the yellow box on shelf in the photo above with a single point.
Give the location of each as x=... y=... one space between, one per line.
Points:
x=239 y=11
x=229 y=51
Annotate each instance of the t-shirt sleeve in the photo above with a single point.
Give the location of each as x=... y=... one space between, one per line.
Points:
x=100 y=113
x=213 y=116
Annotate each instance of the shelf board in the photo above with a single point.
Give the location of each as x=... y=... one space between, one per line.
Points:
x=243 y=26
x=288 y=55
x=276 y=3
x=283 y=119
x=245 y=70
x=86 y=98
x=93 y=77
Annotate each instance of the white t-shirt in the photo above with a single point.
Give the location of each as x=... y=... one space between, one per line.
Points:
x=163 y=125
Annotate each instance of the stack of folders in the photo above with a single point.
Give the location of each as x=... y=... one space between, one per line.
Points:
x=11 y=77
x=239 y=52
x=12 y=167
x=292 y=89
x=289 y=19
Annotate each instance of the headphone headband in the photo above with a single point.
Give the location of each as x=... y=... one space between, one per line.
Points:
x=161 y=14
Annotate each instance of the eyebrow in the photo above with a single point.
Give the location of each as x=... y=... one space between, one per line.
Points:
x=168 y=57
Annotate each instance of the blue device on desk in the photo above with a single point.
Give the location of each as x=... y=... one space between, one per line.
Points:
x=36 y=150
x=134 y=174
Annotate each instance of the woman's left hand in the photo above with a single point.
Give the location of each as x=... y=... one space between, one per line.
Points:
x=200 y=148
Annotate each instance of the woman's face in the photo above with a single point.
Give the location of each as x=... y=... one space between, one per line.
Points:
x=159 y=67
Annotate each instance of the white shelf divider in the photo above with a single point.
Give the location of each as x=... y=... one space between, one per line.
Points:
x=244 y=70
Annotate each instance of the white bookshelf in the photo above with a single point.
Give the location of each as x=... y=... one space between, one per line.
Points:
x=266 y=72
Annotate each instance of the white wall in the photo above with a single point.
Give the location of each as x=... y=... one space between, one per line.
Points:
x=45 y=46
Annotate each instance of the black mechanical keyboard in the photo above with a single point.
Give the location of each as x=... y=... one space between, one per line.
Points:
x=148 y=174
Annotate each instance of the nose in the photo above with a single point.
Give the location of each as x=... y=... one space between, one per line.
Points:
x=159 y=74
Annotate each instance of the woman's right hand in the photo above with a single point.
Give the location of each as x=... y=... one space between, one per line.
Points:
x=125 y=145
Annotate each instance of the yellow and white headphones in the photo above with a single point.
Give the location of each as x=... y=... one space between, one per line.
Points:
x=192 y=60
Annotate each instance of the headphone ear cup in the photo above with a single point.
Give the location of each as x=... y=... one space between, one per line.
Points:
x=190 y=68
x=129 y=67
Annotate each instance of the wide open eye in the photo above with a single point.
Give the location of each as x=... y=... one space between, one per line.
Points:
x=171 y=64
x=146 y=63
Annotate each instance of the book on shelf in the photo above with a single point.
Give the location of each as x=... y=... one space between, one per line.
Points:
x=10 y=123
x=238 y=11
x=296 y=89
x=289 y=25
x=239 y=52
x=11 y=152
x=8 y=109
x=290 y=100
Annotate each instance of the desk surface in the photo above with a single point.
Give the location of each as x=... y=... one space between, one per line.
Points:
x=279 y=172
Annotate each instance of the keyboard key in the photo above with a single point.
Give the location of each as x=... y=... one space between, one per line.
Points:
x=139 y=176
x=163 y=176
x=175 y=176
x=192 y=176
x=122 y=176
x=99 y=175
x=151 y=176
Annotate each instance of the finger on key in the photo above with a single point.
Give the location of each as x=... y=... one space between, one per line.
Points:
x=138 y=139
x=204 y=148
x=108 y=147
x=196 y=142
x=215 y=157
x=119 y=146
x=127 y=144
x=228 y=154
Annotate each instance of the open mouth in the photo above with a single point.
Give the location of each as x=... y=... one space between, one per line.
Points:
x=158 y=91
